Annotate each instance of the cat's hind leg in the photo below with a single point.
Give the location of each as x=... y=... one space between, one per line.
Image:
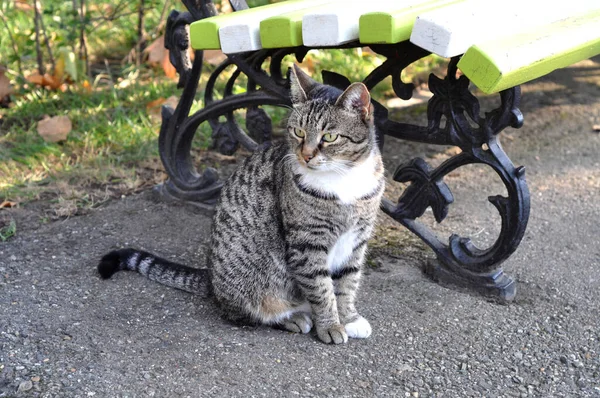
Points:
x=299 y=322
x=284 y=315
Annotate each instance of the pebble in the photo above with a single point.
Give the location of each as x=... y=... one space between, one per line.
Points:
x=564 y=360
x=25 y=386
x=517 y=379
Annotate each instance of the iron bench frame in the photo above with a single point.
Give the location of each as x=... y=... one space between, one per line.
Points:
x=460 y=262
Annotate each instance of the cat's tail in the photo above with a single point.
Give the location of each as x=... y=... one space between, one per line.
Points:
x=193 y=280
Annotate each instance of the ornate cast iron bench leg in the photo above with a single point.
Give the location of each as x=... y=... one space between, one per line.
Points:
x=459 y=261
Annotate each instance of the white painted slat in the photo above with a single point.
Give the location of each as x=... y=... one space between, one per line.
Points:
x=452 y=30
x=244 y=35
x=333 y=25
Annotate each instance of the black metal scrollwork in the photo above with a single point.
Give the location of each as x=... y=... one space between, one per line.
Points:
x=459 y=261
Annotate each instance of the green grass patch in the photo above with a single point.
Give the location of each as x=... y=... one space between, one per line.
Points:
x=112 y=128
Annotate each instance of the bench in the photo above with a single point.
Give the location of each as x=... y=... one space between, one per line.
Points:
x=496 y=46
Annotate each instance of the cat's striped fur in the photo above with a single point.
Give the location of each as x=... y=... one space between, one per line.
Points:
x=291 y=229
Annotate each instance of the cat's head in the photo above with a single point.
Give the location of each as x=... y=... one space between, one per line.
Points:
x=329 y=130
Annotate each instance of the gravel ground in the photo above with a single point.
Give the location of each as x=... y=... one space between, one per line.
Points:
x=66 y=333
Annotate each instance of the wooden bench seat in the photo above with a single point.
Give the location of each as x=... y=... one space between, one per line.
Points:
x=509 y=61
x=519 y=43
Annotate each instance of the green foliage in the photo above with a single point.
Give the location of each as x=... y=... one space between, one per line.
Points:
x=110 y=29
x=354 y=63
x=8 y=231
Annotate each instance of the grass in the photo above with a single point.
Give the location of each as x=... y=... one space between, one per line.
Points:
x=112 y=129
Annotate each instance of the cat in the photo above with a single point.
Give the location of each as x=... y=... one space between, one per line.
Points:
x=291 y=227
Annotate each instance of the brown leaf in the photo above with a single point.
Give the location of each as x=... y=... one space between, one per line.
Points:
x=154 y=107
x=156 y=51
x=35 y=78
x=44 y=81
x=168 y=67
x=214 y=57
x=8 y=204
x=5 y=87
x=172 y=101
x=51 y=81
x=86 y=86
x=54 y=129
x=159 y=55
x=156 y=103
x=23 y=5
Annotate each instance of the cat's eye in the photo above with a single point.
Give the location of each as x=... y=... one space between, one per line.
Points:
x=328 y=137
x=299 y=133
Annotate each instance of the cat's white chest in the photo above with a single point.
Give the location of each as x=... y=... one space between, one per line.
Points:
x=354 y=184
x=342 y=250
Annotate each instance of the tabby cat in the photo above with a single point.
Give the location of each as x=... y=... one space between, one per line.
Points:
x=290 y=231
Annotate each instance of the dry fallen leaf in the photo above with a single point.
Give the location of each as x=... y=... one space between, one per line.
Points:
x=172 y=101
x=23 y=5
x=156 y=103
x=8 y=204
x=54 y=129
x=5 y=87
x=214 y=57
x=156 y=51
x=45 y=81
x=159 y=55
x=154 y=107
x=168 y=67
x=86 y=86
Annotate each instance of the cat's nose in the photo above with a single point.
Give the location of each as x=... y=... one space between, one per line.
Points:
x=307 y=158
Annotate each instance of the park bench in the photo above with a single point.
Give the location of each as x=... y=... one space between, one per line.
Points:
x=495 y=45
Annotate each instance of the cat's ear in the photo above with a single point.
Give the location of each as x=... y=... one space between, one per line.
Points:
x=300 y=85
x=356 y=99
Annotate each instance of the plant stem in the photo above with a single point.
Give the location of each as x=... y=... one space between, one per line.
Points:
x=83 y=53
x=140 y=42
x=38 y=49
x=47 y=42
x=14 y=44
x=161 y=19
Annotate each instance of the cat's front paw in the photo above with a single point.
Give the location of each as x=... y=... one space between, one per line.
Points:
x=334 y=334
x=358 y=329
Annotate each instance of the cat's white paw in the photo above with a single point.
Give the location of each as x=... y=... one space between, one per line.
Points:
x=302 y=319
x=359 y=329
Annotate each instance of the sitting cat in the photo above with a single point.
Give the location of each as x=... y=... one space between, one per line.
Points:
x=290 y=231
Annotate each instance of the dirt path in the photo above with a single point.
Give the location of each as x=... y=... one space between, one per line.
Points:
x=66 y=333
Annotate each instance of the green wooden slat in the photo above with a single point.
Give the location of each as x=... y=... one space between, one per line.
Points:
x=283 y=30
x=204 y=34
x=509 y=61
x=394 y=26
